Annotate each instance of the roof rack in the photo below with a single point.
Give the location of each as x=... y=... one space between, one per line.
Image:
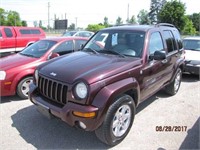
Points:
x=165 y=24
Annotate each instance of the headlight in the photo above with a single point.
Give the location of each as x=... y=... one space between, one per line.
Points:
x=81 y=90
x=2 y=75
x=36 y=77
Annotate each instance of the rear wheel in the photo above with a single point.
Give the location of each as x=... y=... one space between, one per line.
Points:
x=23 y=87
x=118 y=121
x=174 y=86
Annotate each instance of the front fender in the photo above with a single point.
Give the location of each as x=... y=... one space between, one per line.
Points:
x=109 y=93
x=20 y=76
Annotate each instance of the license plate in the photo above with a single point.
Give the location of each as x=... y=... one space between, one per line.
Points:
x=44 y=110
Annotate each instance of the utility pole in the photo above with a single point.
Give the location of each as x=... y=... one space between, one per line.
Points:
x=128 y=14
x=49 y=16
x=76 y=22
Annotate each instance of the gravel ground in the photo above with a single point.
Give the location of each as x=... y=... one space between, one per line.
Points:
x=23 y=127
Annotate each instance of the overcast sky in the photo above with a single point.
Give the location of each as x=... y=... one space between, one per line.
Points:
x=83 y=11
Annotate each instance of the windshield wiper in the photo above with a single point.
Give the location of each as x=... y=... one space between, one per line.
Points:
x=91 y=50
x=112 y=52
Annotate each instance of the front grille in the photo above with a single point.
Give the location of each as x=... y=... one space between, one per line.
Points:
x=53 y=90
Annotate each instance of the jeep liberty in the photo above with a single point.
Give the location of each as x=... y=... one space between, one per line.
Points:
x=99 y=88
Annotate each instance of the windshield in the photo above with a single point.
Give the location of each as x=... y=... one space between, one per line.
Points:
x=117 y=42
x=192 y=45
x=38 y=48
x=69 y=33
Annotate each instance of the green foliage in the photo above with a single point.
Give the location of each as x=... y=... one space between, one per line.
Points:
x=195 y=17
x=188 y=29
x=11 y=18
x=24 y=23
x=72 y=27
x=94 y=27
x=106 y=23
x=119 y=21
x=143 y=17
x=173 y=12
x=132 y=20
x=156 y=6
x=2 y=17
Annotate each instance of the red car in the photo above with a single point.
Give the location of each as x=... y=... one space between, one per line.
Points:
x=16 y=70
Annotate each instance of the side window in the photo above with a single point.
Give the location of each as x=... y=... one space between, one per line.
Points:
x=78 y=44
x=178 y=39
x=155 y=43
x=8 y=32
x=0 y=34
x=171 y=44
x=64 y=48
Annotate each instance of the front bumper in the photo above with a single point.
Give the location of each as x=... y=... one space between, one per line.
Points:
x=65 y=113
x=6 y=88
x=192 y=68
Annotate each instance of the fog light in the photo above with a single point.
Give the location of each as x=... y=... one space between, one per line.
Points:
x=82 y=125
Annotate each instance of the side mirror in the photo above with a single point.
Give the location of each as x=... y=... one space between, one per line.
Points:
x=53 y=55
x=159 y=55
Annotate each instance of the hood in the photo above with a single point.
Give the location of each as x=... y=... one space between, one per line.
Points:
x=86 y=66
x=15 y=60
x=192 y=55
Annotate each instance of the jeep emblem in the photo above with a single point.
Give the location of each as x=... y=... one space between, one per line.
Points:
x=53 y=74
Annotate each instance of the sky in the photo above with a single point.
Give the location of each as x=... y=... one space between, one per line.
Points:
x=82 y=12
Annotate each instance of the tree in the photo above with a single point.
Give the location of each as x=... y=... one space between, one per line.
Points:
x=143 y=17
x=2 y=17
x=173 y=12
x=72 y=26
x=94 y=27
x=119 y=21
x=106 y=23
x=195 y=17
x=132 y=20
x=156 y=6
x=13 y=19
x=24 y=23
x=189 y=28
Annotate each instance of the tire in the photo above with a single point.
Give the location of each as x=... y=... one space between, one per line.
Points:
x=23 y=87
x=120 y=115
x=174 y=86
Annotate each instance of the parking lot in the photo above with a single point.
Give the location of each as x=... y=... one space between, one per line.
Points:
x=23 y=127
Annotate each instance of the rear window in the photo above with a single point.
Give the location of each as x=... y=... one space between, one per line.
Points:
x=29 y=31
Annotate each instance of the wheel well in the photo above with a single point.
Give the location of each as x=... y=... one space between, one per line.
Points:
x=133 y=93
x=22 y=79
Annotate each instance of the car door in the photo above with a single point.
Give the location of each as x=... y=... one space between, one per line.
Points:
x=154 y=71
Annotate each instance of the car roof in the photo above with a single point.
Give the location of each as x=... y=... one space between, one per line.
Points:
x=58 y=39
x=192 y=38
x=141 y=27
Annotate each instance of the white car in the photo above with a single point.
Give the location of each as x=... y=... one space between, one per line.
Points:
x=192 y=54
x=78 y=33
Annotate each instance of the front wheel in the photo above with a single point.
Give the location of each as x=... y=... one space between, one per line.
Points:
x=23 y=87
x=174 y=86
x=118 y=121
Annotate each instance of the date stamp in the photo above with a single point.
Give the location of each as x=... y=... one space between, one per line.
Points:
x=171 y=128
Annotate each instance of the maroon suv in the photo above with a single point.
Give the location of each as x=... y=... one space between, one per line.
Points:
x=99 y=88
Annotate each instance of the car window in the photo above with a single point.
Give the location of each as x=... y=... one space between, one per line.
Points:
x=38 y=48
x=78 y=44
x=191 y=44
x=0 y=34
x=171 y=44
x=155 y=43
x=65 y=47
x=8 y=32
